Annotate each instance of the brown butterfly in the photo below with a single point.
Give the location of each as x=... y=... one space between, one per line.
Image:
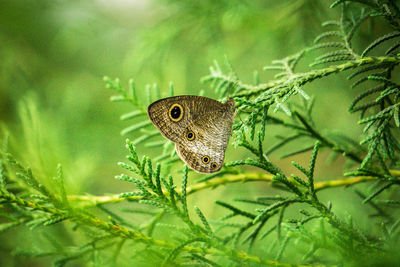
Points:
x=199 y=126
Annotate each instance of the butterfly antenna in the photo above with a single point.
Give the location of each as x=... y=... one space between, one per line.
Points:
x=248 y=111
x=231 y=85
x=241 y=118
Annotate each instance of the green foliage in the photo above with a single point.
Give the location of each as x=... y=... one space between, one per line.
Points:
x=159 y=226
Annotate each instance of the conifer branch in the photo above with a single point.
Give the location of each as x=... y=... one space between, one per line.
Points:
x=120 y=231
x=227 y=179
x=303 y=78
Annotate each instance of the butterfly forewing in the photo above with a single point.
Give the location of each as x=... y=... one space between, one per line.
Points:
x=192 y=106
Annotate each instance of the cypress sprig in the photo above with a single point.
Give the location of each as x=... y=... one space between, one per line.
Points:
x=379 y=41
x=203 y=219
x=183 y=195
x=310 y=173
x=60 y=181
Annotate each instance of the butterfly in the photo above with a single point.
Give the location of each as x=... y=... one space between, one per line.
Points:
x=199 y=126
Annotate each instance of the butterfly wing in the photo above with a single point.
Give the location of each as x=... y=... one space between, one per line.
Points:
x=173 y=115
x=211 y=130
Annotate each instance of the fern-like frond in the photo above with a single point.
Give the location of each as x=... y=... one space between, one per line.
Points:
x=380 y=41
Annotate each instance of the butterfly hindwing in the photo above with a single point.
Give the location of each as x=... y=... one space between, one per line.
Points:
x=206 y=152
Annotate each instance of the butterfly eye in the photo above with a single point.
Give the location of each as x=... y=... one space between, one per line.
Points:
x=175 y=112
x=190 y=135
x=214 y=165
x=205 y=159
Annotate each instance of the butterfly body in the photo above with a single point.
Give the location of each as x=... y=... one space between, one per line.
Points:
x=199 y=126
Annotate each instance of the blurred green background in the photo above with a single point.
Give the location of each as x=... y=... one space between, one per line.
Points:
x=54 y=54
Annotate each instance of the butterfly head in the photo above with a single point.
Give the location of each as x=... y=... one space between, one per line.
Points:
x=231 y=103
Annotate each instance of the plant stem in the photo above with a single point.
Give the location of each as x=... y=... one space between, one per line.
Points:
x=120 y=231
x=230 y=178
x=303 y=78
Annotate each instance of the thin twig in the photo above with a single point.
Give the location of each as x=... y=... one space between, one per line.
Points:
x=226 y=179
